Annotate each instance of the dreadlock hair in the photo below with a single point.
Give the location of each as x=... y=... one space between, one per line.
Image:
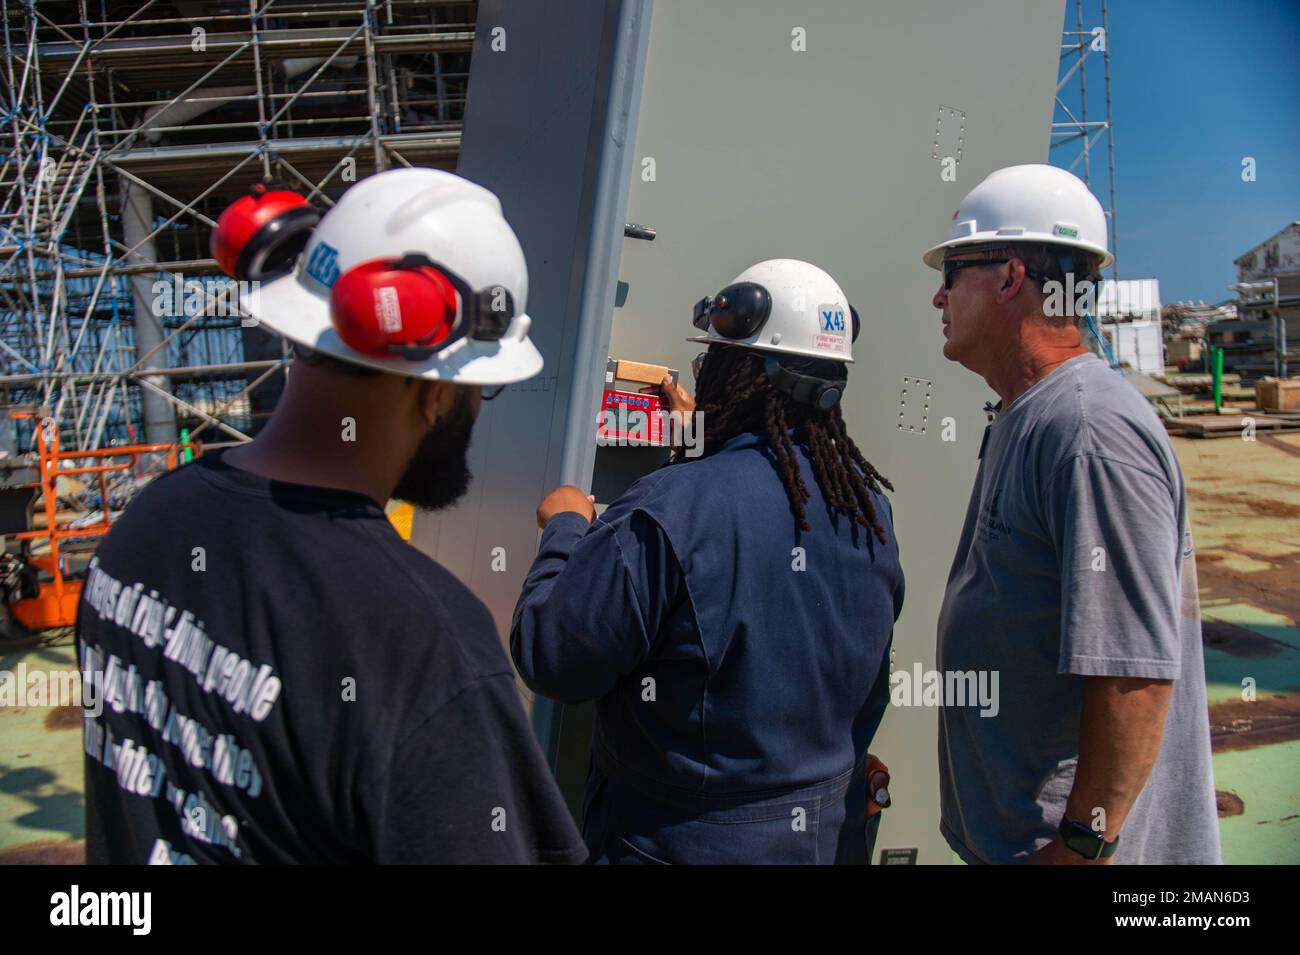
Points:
x=735 y=395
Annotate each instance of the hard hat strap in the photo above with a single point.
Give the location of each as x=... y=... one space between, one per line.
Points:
x=820 y=393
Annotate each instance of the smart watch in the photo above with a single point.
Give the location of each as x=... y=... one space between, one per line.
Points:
x=1086 y=841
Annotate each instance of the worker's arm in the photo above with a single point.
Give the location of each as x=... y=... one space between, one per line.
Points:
x=1120 y=729
x=592 y=603
x=1117 y=531
x=878 y=697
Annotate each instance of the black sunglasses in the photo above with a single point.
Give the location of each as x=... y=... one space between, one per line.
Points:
x=951 y=266
x=491 y=391
x=955 y=265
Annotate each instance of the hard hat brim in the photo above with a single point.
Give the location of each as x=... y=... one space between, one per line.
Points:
x=285 y=308
x=933 y=256
x=771 y=349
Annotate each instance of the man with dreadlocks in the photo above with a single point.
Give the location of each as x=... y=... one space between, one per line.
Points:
x=731 y=614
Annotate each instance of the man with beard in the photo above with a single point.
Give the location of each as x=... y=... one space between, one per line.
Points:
x=286 y=679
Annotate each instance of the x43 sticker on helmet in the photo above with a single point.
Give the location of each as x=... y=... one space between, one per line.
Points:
x=323 y=264
x=832 y=324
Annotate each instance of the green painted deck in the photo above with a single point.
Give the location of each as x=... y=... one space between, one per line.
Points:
x=1245 y=500
x=41 y=814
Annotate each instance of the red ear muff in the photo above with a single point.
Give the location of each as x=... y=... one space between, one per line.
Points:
x=261 y=234
x=388 y=307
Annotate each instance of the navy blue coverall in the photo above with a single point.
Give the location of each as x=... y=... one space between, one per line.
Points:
x=738 y=679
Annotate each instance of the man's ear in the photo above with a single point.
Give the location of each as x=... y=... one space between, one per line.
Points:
x=1013 y=279
x=434 y=399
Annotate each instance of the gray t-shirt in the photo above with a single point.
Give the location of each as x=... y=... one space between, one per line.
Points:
x=1075 y=560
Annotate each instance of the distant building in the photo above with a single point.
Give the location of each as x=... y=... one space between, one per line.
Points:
x=1276 y=256
x=1128 y=311
x=1267 y=339
x=1185 y=325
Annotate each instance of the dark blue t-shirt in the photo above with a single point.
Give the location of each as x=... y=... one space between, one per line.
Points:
x=286 y=680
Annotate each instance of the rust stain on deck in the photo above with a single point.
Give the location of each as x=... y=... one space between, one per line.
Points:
x=1228 y=803
x=1257 y=504
x=1241 y=725
x=63 y=718
x=46 y=852
x=1273 y=588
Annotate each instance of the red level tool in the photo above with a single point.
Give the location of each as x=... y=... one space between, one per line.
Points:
x=630 y=417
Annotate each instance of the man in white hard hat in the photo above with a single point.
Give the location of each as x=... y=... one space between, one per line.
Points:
x=288 y=680
x=1074 y=578
x=730 y=614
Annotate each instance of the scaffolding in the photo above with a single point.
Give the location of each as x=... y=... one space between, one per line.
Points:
x=1075 y=137
x=128 y=127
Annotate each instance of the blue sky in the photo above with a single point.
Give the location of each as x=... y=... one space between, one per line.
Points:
x=1197 y=86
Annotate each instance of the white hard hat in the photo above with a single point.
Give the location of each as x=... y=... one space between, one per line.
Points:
x=1031 y=203
x=435 y=216
x=782 y=306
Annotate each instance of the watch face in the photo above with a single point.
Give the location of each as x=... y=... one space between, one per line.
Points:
x=1084 y=846
x=1086 y=841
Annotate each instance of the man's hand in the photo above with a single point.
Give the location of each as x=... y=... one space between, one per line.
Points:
x=566 y=497
x=1057 y=852
x=675 y=396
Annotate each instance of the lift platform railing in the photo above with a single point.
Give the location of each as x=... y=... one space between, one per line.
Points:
x=55 y=605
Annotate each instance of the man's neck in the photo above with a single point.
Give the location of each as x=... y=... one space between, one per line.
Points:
x=285 y=452
x=1024 y=367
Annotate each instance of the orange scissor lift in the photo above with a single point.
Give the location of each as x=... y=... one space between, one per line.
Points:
x=55 y=604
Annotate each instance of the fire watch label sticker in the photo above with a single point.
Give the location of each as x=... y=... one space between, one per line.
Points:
x=831 y=329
